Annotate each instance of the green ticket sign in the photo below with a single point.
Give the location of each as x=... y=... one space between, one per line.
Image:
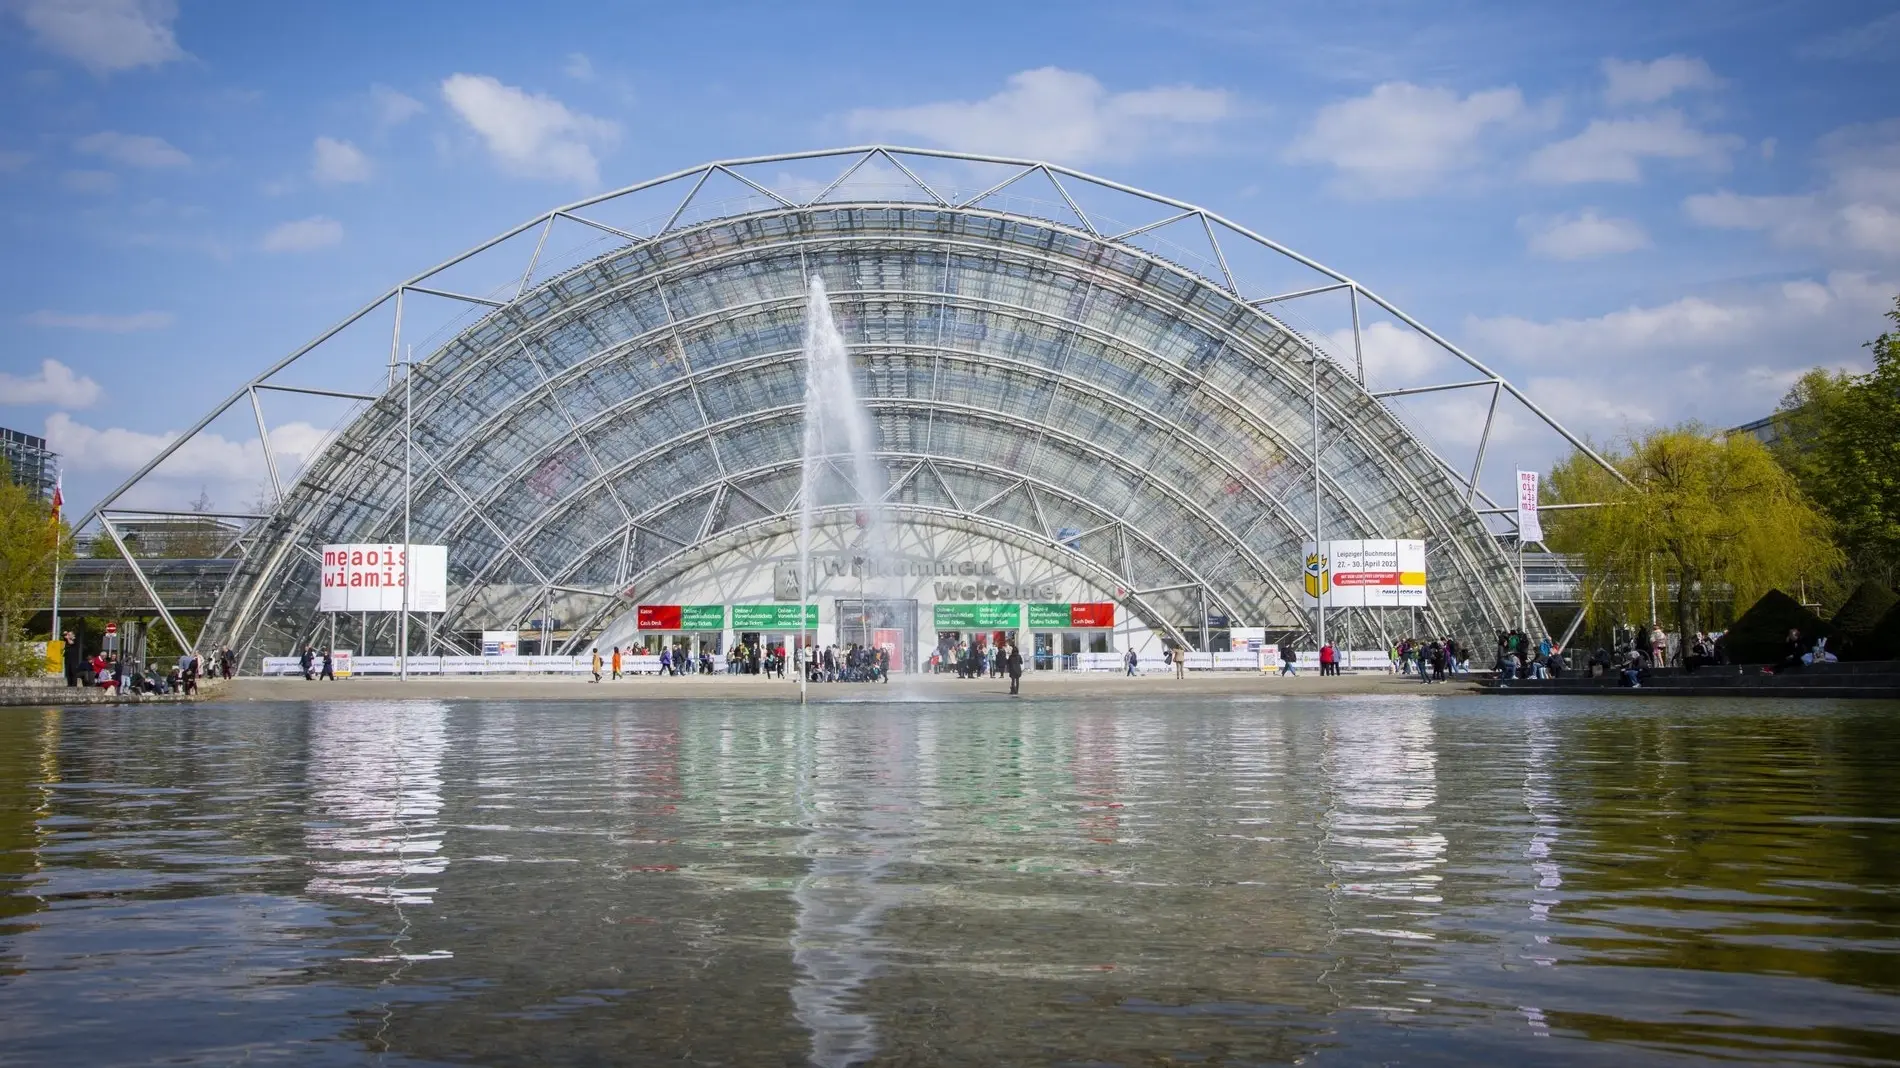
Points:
x=1049 y=616
x=977 y=616
x=772 y=617
x=702 y=617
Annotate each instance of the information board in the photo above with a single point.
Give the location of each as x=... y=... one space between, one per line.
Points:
x=982 y=615
x=772 y=617
x=682 y=617
x=1086 y=615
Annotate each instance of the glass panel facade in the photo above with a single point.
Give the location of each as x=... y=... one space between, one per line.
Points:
x=577 y=438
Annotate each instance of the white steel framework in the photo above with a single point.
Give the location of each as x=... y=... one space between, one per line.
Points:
x=607 y=419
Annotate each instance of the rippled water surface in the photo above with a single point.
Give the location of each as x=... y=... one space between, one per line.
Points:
x=1212 y=881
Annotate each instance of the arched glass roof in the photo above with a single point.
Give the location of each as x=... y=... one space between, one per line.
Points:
x=615 y=423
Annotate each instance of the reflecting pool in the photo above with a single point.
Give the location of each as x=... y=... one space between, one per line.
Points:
x=1198 y=881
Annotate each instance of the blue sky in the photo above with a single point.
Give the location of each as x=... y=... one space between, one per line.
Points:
x=1639 y=215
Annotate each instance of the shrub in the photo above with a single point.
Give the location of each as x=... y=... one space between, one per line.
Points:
x=1857 y=618
x=1759 y=636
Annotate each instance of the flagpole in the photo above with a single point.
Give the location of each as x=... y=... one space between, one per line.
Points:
x=58 y=499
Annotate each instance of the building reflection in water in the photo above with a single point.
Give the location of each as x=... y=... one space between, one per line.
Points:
x=1381 y=846
x=375 y=830
x=1541 y=803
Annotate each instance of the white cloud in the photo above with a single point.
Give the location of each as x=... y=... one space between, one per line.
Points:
x=303 y=235
x=1395 y=355
x=133 y=150
x=1613 y=150
x=1050 y=113
x=1636 y=82
x=105 y=35
x=12 y=161
x=55 y=384
x=207 y=456
x=1868 y=40
x=578 y=67
x=334 y=161
x=1722 y=358
x=96 y=183
x=393 y=108
x=530 y=134
x=100 y=322
x=1401 y=139
x=1582 y=236
x=1856 y=211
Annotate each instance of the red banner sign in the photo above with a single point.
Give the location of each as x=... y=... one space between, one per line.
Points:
x=1092 y=614
x=659 y=617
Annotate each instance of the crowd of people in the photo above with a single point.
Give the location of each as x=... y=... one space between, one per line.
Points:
x=1431 y=659
x=119 y=673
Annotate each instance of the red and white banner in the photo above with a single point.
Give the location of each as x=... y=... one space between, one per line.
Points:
x=371 y=576
x=1529 y=528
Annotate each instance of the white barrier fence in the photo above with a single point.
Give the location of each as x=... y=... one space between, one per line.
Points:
x=476 y=665
x=1267 y=659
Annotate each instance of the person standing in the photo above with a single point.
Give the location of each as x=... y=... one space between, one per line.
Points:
x=1180 y=662
x=307 y=662
x=329 y=666
x=71 y=659
x=1326 y=659
x=188 y=679
x=596 y=665
x=1014 y=663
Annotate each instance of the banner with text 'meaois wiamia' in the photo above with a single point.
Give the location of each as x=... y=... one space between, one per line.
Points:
x=371 y=577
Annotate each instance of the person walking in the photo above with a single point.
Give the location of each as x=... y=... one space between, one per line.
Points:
x=596 y=665
x=1131 y=660
x=329 y=666
x=306 y=663
x=1289 y=660
x=616 y=662
x=1014 y=664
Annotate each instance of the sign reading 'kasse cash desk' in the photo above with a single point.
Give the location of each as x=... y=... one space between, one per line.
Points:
x=370 y=577
x=1373 y=573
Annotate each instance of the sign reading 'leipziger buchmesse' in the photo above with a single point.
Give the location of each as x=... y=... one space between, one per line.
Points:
x=370 y=577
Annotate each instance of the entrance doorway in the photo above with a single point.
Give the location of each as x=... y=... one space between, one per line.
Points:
x=889 y=623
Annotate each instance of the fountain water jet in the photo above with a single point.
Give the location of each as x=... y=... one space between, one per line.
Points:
x=835 y=421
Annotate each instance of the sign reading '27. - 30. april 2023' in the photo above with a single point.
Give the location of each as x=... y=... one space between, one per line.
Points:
x=1373 y=573
x=371 y=576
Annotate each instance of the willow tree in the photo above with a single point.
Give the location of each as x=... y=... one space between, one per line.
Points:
x=1698 y=519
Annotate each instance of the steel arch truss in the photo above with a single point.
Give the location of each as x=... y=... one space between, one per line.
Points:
x=1145 y=379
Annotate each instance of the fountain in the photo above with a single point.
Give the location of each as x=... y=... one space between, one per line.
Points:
x=835 y=421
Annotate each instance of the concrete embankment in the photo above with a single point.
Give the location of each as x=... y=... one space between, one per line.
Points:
x=54 y=691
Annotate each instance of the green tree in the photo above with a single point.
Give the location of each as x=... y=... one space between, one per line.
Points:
x=1714 y=522
x=1839 y=434
x=30 y=542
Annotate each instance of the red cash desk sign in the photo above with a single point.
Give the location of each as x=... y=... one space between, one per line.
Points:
x=659 y=617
